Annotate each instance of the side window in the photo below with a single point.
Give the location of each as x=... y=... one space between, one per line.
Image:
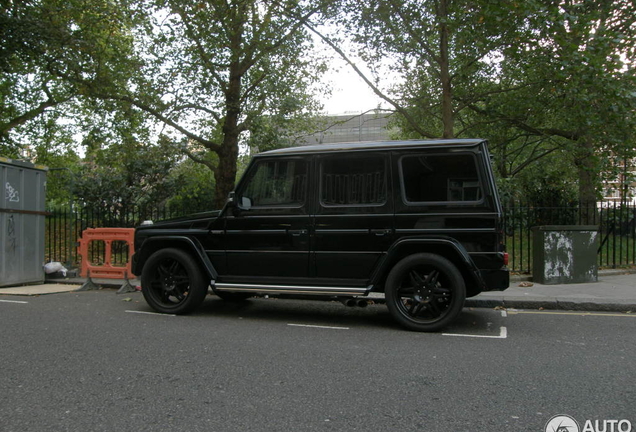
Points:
x=440 y=178
x=353 y=181
x=276 y=183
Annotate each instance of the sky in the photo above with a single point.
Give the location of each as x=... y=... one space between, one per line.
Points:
x=350 y=94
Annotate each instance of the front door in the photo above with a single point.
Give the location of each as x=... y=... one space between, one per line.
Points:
x=267 y=235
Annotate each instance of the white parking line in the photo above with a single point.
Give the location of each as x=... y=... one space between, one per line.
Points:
x=13 y=301
x=317 y=326
x=503 y=334
x=149 y=313
x=572 y=313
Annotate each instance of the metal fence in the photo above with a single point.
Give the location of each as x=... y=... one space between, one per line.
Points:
x=616 y=222
x=64 y=227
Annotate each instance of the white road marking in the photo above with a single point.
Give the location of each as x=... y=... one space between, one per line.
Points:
x=13 y=301
x=149 y=313
x=573 y=313
x=317 y=326
x=504 y=313
x=503 y=334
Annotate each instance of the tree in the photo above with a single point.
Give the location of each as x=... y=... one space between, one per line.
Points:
x=210 y=71
x=570 y=83
x=44 y=43
x=439 y=50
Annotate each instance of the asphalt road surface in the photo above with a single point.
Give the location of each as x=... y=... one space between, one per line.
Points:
x=97 y=361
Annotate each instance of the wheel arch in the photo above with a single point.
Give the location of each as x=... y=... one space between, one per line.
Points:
x=186 y=244
x=446 y=247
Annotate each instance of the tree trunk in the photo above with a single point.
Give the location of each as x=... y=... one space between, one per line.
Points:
x=444 y=67
x=587 y=172
x=225 y=173
x=588 y=179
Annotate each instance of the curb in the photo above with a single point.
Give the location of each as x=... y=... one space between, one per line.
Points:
x=570 y=304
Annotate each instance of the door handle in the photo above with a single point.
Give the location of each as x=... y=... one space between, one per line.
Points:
x=380 y=232
x=297 y=233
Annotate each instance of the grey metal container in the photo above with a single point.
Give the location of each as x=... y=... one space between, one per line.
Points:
x=22 y=219
x=565 y=254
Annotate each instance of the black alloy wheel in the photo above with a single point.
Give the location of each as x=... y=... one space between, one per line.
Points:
x=172 y=282
x=425 y=292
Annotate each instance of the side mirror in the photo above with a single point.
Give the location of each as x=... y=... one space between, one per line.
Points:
x=245 y=203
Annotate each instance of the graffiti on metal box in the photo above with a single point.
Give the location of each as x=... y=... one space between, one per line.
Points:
x=11 y=194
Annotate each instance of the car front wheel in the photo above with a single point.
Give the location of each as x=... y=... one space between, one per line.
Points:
x=172 y=282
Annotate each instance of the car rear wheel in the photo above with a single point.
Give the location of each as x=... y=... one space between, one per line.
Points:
x=172 y=282
x=425 y=292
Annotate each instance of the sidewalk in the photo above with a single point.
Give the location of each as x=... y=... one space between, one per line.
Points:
x=615 y=291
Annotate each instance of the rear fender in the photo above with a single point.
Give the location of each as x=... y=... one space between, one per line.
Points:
x=440 y=245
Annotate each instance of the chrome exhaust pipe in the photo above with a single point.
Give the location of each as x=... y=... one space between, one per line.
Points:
x=349 y=302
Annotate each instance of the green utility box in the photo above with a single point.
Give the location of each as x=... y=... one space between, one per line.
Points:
x=565 y=254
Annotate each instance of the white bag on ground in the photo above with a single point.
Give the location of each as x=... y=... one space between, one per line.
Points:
x=54 y=267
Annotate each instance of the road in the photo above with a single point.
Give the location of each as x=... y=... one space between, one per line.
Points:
x=97 y=361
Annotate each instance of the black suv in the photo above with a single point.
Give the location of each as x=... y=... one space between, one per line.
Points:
x=419 y=221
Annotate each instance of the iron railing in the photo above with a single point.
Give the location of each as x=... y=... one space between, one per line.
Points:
x=64 y=227
x=616 y=222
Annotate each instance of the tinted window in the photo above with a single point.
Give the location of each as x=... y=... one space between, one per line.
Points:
x=353 y=181
x=276 y=183
x=439 y=178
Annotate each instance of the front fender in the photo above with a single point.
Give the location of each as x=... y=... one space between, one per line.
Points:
x=192 y=246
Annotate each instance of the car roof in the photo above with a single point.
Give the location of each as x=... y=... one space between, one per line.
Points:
x=372 y=145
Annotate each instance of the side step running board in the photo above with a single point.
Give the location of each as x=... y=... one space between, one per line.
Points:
x=291 y=289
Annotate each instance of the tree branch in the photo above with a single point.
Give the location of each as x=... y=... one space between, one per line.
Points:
x=31 y=114
x=375 y=89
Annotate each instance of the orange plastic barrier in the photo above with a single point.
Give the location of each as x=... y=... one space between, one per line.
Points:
x=108 y=236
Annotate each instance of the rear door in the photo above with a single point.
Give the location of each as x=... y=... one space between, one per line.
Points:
x=354 y=215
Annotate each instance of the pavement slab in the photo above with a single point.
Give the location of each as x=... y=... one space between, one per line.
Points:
x=32 y=290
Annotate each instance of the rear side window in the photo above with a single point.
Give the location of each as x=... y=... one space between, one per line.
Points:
x=358 y=180
x=440 y=178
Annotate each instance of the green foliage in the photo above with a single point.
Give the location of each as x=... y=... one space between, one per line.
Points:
x=195 y=187
x=123 y=175
x=552 y=183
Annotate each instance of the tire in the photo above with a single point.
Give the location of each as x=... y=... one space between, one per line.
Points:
x=233 y=296
x=172 y=282
x=425 y=292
